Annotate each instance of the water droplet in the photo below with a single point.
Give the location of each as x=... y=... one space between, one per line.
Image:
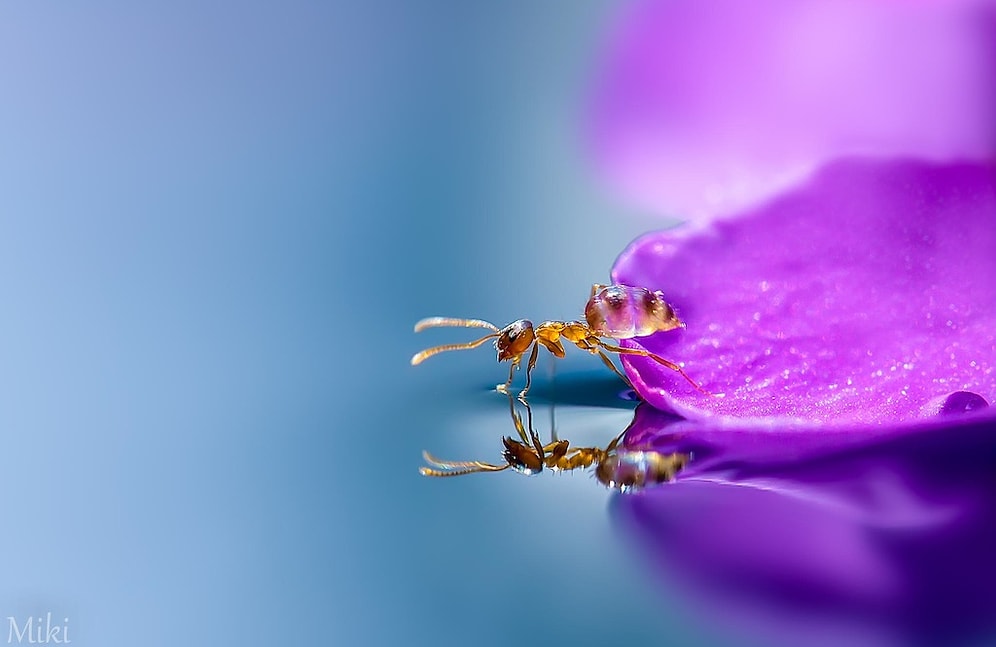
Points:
x=954 y=403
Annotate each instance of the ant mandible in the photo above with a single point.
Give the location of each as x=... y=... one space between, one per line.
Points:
x=616 y=311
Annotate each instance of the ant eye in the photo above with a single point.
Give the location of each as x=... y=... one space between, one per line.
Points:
x=520 y=328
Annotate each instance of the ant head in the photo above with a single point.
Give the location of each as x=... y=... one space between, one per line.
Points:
x=635 y=470
x=515 y=339
x=522 y=458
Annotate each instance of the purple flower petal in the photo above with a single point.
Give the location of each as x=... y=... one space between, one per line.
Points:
x=706 y=106
x=866 y=295
x=842 y=538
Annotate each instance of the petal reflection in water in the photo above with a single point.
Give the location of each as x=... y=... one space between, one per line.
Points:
x=803 y=538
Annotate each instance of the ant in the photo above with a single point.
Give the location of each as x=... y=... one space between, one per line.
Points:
x=622 y=469
x=616 y=311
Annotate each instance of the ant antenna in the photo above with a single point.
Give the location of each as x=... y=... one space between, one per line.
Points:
x=436 y=322
x=439 y=322
x=456 y=468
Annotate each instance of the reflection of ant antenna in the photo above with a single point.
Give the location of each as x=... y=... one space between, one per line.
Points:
x=525 y=455
x=622 y=469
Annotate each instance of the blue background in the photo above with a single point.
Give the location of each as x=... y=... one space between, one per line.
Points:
x=218 y=224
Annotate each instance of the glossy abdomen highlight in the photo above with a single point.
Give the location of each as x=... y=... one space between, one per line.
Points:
x=624 y=312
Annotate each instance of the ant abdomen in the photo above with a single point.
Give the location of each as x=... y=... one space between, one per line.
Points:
x=625 y=312
x=635 y=469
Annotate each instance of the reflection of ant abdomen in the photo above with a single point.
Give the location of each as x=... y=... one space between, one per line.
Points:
x=628 y=470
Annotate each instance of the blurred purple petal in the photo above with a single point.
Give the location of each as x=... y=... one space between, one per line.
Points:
x=704 y=107
x=866 y=295
x=843 y=538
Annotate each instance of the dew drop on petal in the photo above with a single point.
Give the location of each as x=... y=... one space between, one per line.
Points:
x=954 y=403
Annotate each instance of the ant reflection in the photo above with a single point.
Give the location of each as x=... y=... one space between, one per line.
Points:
x=623 y=469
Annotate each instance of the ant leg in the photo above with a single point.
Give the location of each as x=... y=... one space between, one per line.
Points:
x=596 y=288
x=529 y=370
x=538 y=445
x=608 y=362
x=656 y=358
x=611 y=447
x=592 y=348
x=529 y=416
x=558 y=449
x=503 y=388
x=517 y=420
x=553 y=422
x=533 y=436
